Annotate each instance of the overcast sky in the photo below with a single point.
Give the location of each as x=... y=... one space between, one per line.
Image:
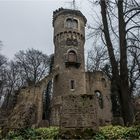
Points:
x=28 y=24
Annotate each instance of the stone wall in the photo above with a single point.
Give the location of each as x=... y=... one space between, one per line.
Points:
x=75 y=112
x=68 y=111
x=25 y=112
x=28 y=110
x=137 y=110
x=97 y=82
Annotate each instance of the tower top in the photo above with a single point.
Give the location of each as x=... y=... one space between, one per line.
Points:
x=63 y=11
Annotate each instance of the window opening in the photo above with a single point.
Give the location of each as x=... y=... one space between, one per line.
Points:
x=100 y=98
x=69 y=23
x=72 y=84
x=72 y=23
x=71 y=59
x=75 y=23
x=72 y=56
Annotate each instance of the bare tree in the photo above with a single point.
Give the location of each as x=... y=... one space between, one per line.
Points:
x=96 y=59
x=134 y=71
x=13 y=76
x=119 y=24
x=32 y=65
x=3 y=65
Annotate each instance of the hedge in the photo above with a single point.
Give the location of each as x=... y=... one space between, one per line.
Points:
x=104 y=133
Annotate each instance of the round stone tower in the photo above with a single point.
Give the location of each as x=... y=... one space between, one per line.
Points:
x=71 y=107
x=69 y=39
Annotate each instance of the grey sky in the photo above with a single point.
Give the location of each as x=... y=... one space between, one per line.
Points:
x=28 y=24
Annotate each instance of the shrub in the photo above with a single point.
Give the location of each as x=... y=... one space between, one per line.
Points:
x=33 y=134
x=77 y=133
x=21 y=134
x=13 y=135
x=47 y=133
x=99 y=136
x=105 y=133
x=118 y=132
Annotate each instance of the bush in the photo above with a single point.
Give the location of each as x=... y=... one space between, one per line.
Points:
x=77 y=134
x=118 y=132
x=47 y=133
x=33 y=134
x=22 y=134
x=105 y=133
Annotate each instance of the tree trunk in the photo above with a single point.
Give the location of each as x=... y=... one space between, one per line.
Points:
x=125 y=92
x=115 y=81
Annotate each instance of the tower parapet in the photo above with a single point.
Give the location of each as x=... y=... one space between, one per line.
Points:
x=68 y=20
x=63 y=11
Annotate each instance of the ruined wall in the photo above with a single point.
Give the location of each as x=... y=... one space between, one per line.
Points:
x=97 y=82
x=25 y=112
x=29 y=108
x=137 y=110
x=56 y=106
x=75 y=112
x=79 y=111
x=68 y=111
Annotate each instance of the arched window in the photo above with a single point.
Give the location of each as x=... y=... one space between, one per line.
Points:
x=71 y=23
x=100 y=98
x=75 y=24
x=72 y=57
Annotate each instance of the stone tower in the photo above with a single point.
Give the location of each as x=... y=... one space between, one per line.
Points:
x=71 y=107
x=69 y=39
